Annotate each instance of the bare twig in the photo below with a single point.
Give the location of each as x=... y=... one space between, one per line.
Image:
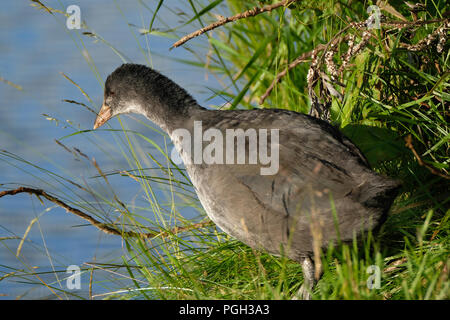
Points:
x=329 y=62
x=409 y=145
x=249 y=13
x=100 y=225
x=302 y=58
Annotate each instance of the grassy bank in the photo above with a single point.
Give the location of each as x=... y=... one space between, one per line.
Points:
x=386 y=88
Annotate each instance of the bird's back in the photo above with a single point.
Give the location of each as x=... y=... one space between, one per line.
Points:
x=323 y=189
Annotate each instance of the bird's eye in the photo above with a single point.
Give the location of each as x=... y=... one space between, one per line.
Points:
x=111 y=93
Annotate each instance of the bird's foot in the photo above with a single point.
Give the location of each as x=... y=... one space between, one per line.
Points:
x=304 y=293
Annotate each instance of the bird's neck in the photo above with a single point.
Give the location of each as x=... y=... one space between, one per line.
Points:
x=170 y=115
x=166 y=103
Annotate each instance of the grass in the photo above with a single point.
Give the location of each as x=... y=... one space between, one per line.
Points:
x=386 y=94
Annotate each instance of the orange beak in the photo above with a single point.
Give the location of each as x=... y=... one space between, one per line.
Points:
x=103 y=116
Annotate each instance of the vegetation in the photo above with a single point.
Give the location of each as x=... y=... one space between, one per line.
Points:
x=386 y=88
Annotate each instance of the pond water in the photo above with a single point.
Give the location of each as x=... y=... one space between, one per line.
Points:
x=35 y=48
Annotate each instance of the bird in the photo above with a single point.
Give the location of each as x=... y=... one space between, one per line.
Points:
x=320 y=191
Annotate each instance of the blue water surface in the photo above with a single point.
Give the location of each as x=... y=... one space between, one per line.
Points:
x=36 y=47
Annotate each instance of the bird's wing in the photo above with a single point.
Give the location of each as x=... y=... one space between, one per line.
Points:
x=318 y=170
x=315 y=162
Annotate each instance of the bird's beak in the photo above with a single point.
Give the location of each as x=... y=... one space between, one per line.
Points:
x=103 y=116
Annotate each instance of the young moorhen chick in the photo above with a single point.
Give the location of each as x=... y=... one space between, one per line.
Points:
x=321 y=187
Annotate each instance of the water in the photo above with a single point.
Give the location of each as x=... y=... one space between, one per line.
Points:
x=35 y=47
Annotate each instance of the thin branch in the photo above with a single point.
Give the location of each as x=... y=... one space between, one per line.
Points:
x=409 y=145
x=394 y=265
x=302 y=58
x=249 y=13
x=100 y=225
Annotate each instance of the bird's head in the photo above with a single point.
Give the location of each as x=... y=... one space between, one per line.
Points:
x=134 y=88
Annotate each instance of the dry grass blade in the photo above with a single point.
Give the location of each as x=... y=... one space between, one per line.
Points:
x=80 y=104
x=42 y=6
x=354 y=49
x=18 y=87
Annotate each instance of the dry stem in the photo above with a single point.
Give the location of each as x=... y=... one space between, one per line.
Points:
x=409 y=145
x=99 y=225
x=249 y=13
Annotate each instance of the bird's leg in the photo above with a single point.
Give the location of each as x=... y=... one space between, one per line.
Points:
x=309 y=281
